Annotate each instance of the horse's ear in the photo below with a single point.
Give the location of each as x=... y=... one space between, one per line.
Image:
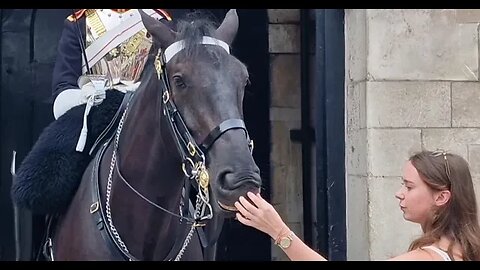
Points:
x=228 y=29
x=160 y=32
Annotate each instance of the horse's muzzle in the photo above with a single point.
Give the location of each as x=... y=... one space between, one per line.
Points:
x=233 y=185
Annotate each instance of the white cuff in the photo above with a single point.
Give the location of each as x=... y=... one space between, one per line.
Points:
x=66 y=100
x=70 y=98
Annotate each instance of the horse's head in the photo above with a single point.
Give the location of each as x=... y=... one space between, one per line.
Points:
x=207 y=87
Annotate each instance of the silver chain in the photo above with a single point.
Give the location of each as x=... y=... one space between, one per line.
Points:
x=109 y=182
x=202 y=203
x=190 y=233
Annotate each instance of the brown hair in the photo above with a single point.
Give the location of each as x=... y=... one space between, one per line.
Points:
x=457 y=219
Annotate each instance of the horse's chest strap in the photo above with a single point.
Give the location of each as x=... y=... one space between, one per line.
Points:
x=97 y=211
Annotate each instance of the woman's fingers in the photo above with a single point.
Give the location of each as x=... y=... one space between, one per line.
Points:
x=250 y=207
x=244 y=221
x=258 y=201
x=240 y=208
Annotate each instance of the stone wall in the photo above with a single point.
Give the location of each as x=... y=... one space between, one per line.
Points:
x=285 y=156
x=411 y=83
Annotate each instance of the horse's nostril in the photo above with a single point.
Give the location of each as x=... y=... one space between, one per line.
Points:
x=222 y=177
x=231 y=180
x=228 y=180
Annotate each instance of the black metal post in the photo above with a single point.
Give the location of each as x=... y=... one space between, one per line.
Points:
x=335 y=107
x=320 y=119
x=330 y=135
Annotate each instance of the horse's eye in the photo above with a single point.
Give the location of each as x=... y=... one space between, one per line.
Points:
x=179 y=81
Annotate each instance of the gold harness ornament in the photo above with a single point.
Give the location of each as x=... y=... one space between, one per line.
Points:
x=203 y=177
x=159 y=64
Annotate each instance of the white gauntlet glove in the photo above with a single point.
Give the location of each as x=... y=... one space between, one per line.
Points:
x=73 y=97
x=91 y=92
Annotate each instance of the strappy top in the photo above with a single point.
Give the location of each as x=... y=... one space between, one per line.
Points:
x=440 y=252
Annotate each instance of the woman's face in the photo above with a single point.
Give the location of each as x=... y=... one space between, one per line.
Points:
x=417 y=200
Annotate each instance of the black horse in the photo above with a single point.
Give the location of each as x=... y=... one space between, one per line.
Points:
x=181 y=156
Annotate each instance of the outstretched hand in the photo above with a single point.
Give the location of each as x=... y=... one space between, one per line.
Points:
x=260 y=215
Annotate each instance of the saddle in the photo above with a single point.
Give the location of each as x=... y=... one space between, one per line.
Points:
x=50 y=174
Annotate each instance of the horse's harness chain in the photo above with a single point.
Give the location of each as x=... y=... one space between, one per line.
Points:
x=190 y=233
x=202 y=202
x=109 y=184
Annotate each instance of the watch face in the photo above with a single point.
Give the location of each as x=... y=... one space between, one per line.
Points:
x=285 y=242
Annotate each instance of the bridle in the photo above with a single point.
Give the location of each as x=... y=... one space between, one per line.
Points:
x=192 y=155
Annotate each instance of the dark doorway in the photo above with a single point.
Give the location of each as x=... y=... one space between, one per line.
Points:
x=28 y=47
x=238 y=242
x=28 y=43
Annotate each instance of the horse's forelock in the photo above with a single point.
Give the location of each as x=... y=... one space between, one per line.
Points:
x=192 y=30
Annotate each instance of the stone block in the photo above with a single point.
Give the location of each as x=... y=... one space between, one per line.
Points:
x=420 y=44
x=285 y=80
x=452 y=140
x=357 y=218
x=356 y=103
x=388 y=149
x=284 y=38
x=465 y=104
x=408 y=104
x=467 y=16
x=356 y=44
x=356 y=152
x=283 y=15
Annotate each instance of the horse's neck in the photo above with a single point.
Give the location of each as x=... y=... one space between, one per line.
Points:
x=150 y=164
x=146 y=147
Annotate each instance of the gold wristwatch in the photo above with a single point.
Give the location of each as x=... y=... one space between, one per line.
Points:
x=285 y=241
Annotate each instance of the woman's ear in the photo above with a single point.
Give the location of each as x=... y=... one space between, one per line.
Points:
x=442 y=197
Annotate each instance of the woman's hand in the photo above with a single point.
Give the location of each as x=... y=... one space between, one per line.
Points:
x=260 y=215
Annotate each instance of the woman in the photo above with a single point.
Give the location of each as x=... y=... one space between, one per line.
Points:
x=437 y=193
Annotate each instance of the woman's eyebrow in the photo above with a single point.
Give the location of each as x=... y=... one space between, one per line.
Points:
x=408 y=181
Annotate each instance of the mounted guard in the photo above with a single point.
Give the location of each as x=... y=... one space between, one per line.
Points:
x=101 y=56
x=183 y=127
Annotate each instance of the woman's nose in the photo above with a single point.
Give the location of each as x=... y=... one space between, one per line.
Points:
x=399 y=194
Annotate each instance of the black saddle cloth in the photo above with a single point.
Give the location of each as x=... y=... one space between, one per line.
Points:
x=49 y=175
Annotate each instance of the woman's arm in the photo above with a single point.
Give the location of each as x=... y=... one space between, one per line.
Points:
x=262 y=216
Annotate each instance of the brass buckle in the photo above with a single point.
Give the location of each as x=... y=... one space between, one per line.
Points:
x=165 y=97
x=191 y=149
x=94 y=207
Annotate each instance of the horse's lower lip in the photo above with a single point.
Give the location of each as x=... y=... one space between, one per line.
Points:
x=227 y=207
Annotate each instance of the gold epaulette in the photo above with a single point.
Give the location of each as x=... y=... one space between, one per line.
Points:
x=77 y=15
x=164 y=13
